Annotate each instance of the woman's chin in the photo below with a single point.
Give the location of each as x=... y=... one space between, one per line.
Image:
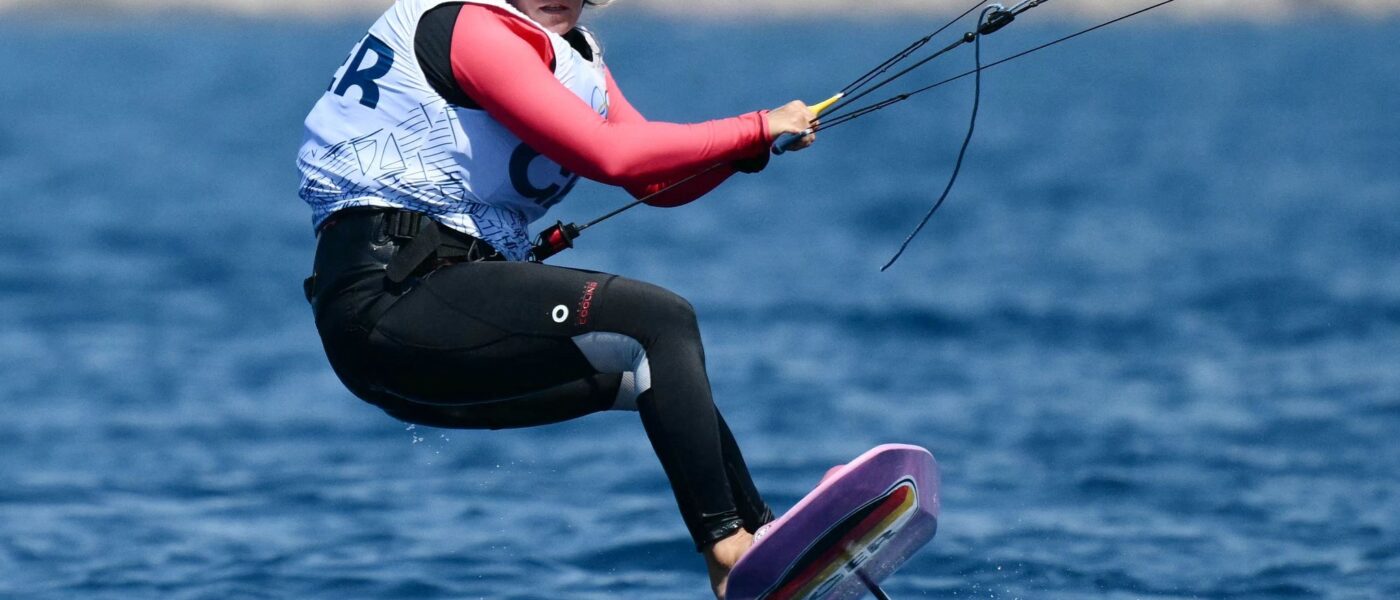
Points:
x=558 y=22
x=559 y=25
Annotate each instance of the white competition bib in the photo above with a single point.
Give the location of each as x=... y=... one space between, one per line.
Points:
x=381 y=136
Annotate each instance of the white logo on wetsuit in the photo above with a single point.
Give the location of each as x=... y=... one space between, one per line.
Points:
x=560 y=314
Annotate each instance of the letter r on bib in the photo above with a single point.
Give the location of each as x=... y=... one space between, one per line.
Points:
x=358 y=76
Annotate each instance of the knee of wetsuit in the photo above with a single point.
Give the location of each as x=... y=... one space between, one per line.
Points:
x=675 y=313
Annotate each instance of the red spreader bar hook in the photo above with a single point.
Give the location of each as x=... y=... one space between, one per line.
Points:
x=555 y=239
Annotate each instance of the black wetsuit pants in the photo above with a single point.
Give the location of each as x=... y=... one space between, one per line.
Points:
x=498 y=344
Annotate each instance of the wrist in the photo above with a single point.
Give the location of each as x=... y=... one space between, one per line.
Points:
x=765 y=132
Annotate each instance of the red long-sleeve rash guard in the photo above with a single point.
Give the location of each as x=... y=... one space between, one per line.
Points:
x=503 y=63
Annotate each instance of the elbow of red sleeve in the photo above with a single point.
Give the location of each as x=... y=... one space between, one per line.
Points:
x=615 y=172
x=612 y=170
x=669 y=200
x=644 y=192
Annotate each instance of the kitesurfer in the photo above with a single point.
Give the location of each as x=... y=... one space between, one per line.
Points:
x=450 y=128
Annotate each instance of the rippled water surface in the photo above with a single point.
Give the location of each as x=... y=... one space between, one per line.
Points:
x=1152 y=337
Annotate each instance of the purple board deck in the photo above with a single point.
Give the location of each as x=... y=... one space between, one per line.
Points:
x=865 y=519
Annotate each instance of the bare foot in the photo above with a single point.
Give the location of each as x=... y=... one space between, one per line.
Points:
x=721 y=557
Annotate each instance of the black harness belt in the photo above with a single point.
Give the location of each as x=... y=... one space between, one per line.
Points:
x=405 y=242
x=427 y=245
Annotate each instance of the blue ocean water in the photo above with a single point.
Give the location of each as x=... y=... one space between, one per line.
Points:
x=1152 y=338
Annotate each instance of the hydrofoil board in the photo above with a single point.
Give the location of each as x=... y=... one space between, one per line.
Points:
x=858 y=526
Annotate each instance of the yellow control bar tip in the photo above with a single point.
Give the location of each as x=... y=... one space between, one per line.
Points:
x=820 y=108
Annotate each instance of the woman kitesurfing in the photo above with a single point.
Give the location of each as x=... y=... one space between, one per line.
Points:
x=449 y=129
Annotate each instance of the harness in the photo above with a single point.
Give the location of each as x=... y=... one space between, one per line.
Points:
x=426 y=245
x=422 y=245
